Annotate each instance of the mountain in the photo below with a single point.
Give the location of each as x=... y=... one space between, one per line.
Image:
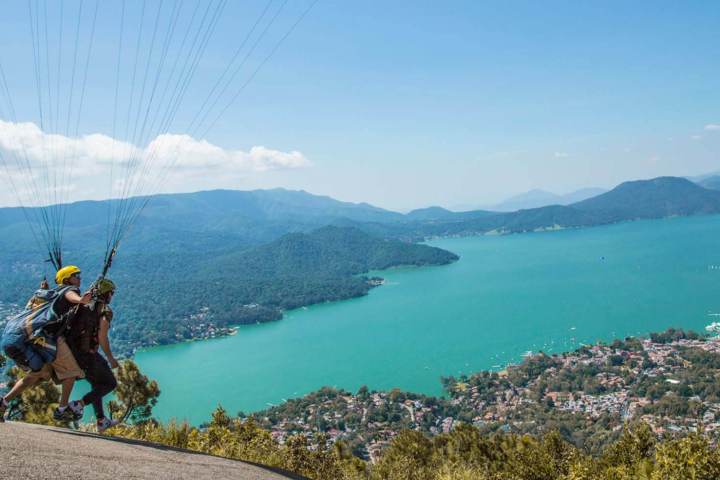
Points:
x=656 y=198
x=197 y=263
x=205 y=223
x=182 y=293
x=432 y=214
x=704 y=176
x=190 y=221
x=580 y=195
x=532 y=199
x=328 y=251
x=711 y=182
x=539 y=198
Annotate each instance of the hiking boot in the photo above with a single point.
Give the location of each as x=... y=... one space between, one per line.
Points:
x=3 y=409
x=105 y=423
x=72 y=413
x=77 y=409
x=64 y=415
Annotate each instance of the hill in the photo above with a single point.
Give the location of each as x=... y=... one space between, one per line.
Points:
x=540 y=198
x=656 y=198
x=198 y=263
x=186 y=219
x=37 y=452
x=184 y=294
x=207 y=222
x=643 y=199
x=434 y=214
x=712 y=182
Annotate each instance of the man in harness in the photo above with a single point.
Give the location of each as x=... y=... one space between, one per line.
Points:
x=64 y=369
x=87 y=332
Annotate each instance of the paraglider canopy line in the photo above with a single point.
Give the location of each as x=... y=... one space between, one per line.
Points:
x=158 y=57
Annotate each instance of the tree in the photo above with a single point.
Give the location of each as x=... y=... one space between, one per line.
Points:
x=689 y=458
x=409 y=457
x=36 y=404
x=136 y=394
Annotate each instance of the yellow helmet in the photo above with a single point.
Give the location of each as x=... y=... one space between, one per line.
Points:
x=65 y=273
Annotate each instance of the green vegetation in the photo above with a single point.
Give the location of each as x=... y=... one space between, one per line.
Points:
x=135 y=397
x=587 y=396
x=628 y=450
x=656 y=198
x=196 y=264
x=177 y=296
x=188 y=298
x=464 y=453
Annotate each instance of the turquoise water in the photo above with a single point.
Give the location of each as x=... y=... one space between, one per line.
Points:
x=506 y=295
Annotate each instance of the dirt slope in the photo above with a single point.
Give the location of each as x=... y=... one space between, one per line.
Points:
x=36 y=452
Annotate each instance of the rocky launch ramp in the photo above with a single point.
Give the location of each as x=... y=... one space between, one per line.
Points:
x=38 y=452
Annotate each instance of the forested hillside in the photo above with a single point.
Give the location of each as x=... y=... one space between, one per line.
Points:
x=643 y=199
x=181 y=294
x=195 y=264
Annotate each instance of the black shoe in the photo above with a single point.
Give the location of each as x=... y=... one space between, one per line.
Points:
x=76 y=409
x=65 y=415
x=61 y=416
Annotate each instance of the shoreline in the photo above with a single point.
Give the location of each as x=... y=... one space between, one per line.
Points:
x=233 y=328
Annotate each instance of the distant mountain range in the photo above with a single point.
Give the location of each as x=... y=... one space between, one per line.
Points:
x=204 y=221
x=540 y=198
x=207 y=222
x=656 y=198
x=712 y=182
x=221 y=257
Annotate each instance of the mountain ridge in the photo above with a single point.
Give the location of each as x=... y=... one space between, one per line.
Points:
x=537 y=198
x=270 y=251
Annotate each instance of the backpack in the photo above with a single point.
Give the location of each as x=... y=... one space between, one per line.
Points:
x=30 y=338
x=82 y=331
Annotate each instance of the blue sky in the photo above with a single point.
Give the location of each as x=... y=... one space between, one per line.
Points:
x=409 y=104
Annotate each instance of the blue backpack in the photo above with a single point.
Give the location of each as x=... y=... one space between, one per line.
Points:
x=30 y=338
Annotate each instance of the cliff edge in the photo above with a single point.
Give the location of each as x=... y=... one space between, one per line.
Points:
x=38 y=452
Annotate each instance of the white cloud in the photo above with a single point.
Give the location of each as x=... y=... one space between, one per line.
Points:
x=712 y=127
x=200 y=154
x=190 y=164
x=696 y=137
x=561 y=155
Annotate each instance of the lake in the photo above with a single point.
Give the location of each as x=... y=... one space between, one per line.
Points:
x=507 y=295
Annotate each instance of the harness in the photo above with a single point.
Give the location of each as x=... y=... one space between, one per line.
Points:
x=84 y=329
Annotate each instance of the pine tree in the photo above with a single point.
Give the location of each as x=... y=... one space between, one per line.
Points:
x=136 y=394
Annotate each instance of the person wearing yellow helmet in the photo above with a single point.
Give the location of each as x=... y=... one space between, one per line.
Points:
x=87 y=334
x=64 y=369
x=64 y=274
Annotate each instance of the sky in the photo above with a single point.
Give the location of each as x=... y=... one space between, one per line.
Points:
x=400 y=104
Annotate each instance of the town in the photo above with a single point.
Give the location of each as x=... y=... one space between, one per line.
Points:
x=666 y=381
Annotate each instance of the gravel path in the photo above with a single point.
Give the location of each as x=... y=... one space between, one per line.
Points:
x=38 y=452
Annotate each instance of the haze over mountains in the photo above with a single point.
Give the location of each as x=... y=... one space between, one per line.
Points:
x=211 y=219
x=540 y=198
x=712 y=182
